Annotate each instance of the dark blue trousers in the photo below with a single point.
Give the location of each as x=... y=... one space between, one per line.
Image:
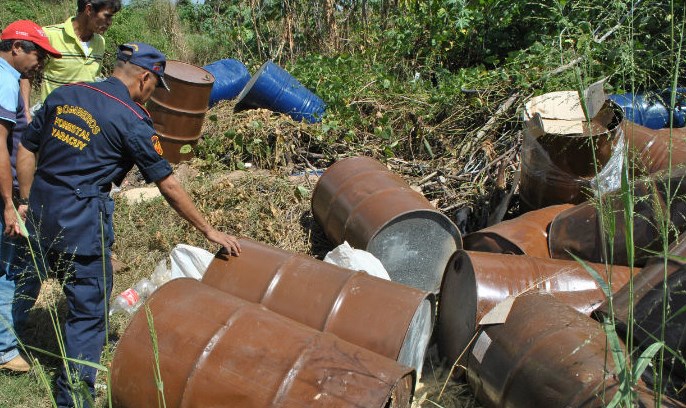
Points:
x=87 y=285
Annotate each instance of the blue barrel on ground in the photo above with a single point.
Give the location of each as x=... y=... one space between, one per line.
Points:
x=230 y=76
x=651 y=111
x=273 y=88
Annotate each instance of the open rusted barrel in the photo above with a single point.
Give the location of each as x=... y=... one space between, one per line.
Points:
x=360 y=201
x=559 y=161
x=649 y=148
x=216 y=350
x=658 y=280
x=475 y=282
x=385 y=317
x=547 y=354
x=178 y=114
x=524 y=235
x=577 y=230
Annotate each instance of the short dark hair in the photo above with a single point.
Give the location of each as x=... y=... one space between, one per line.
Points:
x=27 y=46
x=114 y=5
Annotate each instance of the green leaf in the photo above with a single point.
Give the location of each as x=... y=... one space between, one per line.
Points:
x=427 y=146
x=677 y=313
x=645 y=358
x=186 y=149
x=598 y=279
x=615 y=400
x=301 y=192
x=20 y=221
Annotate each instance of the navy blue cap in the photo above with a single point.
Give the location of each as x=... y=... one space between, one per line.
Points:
x=145 y=56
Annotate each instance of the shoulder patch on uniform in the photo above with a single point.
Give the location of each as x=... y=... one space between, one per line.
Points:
x=156 y=144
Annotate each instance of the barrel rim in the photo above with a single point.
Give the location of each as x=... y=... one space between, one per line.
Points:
x=171 y=76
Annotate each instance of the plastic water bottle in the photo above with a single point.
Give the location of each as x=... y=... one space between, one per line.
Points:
x=131 y=299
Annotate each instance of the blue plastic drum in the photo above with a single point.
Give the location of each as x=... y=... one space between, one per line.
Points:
x=274 y=88
x=230 y=76
x=649 y=112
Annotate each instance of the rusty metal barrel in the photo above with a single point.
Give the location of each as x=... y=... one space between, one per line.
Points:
x=559 y=162
x=524 y=235
x=658 y=280
x=649 y=149
x=360 y=201
x=218 y=350
x=178 y=114
x=475 y=282
x=578 y=230
x=547 y=354
x=385 y=317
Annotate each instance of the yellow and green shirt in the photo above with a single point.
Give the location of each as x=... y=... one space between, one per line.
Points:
x=77 y=64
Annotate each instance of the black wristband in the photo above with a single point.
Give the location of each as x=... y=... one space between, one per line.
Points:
x=23 y=201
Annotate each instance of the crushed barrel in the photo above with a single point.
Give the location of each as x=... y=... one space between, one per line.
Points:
x=559 y=162
x=524 y=235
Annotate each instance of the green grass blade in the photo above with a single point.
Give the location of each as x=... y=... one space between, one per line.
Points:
x=645 y=358
x=70 y=359
x=616 y=399
x=43 y=378
x=595 y=275
x=615 y=347
x=159 y=383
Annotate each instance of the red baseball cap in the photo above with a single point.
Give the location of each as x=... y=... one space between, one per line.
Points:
x=29 y=31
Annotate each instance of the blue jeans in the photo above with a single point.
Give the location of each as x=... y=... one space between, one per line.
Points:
x=8 y=338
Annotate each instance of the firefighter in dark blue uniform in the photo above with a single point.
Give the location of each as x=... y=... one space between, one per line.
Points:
x=86 y=137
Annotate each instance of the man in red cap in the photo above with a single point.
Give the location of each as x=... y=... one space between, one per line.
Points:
x=23 y=49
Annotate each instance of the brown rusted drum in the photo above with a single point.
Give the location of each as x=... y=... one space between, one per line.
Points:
x=578 y=231
x=649 y=148
x=170 y=122
x=647 y=295
x=546 y=354
x=177 y=150
x=178 y=114
x=475 y=282
x=189 y=87
x=385 y=317
x=216 y=350
x=524 y=235
x=558 y=169
x=360 y=201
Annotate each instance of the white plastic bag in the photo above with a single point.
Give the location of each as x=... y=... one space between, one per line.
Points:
x=189 y=261
x=356 y=259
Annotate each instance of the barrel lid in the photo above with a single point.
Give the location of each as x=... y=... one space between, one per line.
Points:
x=187 y=73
